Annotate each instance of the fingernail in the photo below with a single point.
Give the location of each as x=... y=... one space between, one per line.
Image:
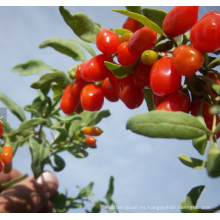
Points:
x=49 y=182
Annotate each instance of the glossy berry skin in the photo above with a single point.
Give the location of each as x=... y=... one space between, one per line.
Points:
x=90 y=140
x=158 y=99
x=110 y=93
x=179 y=20
x=92 y=131
x=1 y=129
x=211 y=13
x=92 y=97
x=95 y=70
x=115 y=82
x=142 y=75
x=76 y=88
x=187 y=60
x=149 y=57
x=205 y=34
x=164 y=78
x=177 y=101
x=131 y=94
x=78 y=72
x=7 y=154
x=125 y=58
x=107 y=41
x=143 y=39
x=68 y=104
x=131 y=24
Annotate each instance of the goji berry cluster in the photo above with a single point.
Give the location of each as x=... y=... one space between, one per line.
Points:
x=166 y=75
x=91 y=131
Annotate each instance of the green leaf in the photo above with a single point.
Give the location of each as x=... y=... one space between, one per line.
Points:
x=37 y=106
x=78 y=153
x=164 y=124
x=59 y=77
x=155 y=15
x=60 y=129
x=217 y=129
x=186 y=37
x=81 y=25
x=136 y=9
x=31 y=67
x=6 y=126
x=189 y=203
x=40 y=104
x=39 y=154
x=148 y=95
x=59 y=200
x=120 y=31
x=96 y=208
x=67 y=118
x=58 y=140
x=85 y=45
x=57 y=92
x=121 y=71
x=85 y=192
x=178 y=39
x=62 y=203
x=75 y=126
x=46 y=90
x=93 y=147
x=65 y=47
x=163 y=46
x=214 y=63
x=110 y=191
x=65 y=147
x=142 y=19
x=34 y=112
x=213 y=161
x=27 y=126
x=93 y=118
x=13 y=107
x=200 y=144
x=192 y=162
x=60 y=163
x=23 y=141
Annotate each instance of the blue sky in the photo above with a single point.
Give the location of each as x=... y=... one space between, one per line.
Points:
x=147 y=171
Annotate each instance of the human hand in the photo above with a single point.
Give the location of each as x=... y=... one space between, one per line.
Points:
x=29 y=195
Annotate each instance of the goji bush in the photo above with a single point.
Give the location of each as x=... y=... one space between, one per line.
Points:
x=168 y=60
